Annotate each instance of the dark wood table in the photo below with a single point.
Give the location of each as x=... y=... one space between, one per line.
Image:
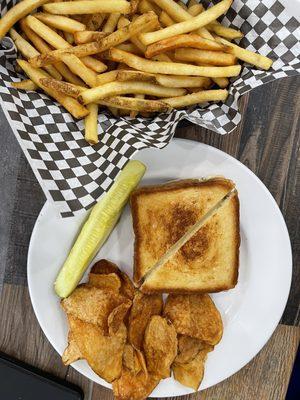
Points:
x=267 y=141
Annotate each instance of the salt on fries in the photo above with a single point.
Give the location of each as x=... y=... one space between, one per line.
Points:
x=132 y=57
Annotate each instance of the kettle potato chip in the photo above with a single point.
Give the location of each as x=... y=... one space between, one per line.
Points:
x=188 y=348
x=160 y=346
x=191 y=374
x=134 y=387
x=120 y=332
x=107 y=267
x=134 y=360
x=116 y=317
x=91 y=304
x=107 y=281
x=143 y=307
x=103 y=353
x=72 y=352
x=195 y=315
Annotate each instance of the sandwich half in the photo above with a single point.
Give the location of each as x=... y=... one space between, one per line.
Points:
x=208 y=262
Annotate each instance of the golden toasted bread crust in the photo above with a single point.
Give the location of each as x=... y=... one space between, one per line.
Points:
x=174 y=186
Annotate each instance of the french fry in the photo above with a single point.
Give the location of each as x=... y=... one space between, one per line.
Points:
x=88 y=7
x=165 y=19
x=88 y=36
x=130 y=47
x=62 y=87
x=197 y=98
x=107 y=77
x=55 y=40
x=91 y=124
x=134 y=4
x=69 y=37
x=94 y=64
x=61 y=22
x=134 y=113
x=77 y=67
x=145 y=6
x=248 y=56
x=189 y=25
x=162 y=57
x=26 y=84
x=29 y=51
x=123 y=22
x=43 y=48
x=121 y=35
x=131 y=75
x=178 y=13
x=22 y=45
x=195 y=9
x=182 y=5
x=221 y=82
x=173 y=9
x=228 y=33
x=17 y=12
x=134 y=39
x=132 y=87
x=183 y=81
x=111 y=23
x=135 y=104
x=171 y=68
x=205 y=57
x=93 y=22
x=70 y=104
x=185 y=40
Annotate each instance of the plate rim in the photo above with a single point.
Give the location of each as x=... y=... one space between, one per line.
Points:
x=289 y=261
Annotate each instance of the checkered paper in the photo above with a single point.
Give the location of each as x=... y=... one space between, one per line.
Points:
x=74 y=174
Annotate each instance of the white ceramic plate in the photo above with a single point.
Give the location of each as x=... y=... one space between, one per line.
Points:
x=250 y=311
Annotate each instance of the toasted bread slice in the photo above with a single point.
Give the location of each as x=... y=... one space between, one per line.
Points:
x=209 y=261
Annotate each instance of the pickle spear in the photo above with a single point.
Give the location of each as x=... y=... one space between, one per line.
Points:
x=97 y=228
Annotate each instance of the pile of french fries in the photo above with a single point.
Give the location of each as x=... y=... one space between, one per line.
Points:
x=133 y=57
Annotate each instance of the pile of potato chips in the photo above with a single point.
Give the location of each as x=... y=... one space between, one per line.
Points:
x=134 y=340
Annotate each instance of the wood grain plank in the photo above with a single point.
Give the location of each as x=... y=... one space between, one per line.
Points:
x=20 y=334
x=99 y=392
x=27 y=202
x=9 y=146
x=290 y=207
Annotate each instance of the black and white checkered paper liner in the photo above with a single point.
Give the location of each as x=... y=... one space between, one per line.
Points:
x=74 y=174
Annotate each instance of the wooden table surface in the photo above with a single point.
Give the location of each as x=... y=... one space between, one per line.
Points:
x=267 y=141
